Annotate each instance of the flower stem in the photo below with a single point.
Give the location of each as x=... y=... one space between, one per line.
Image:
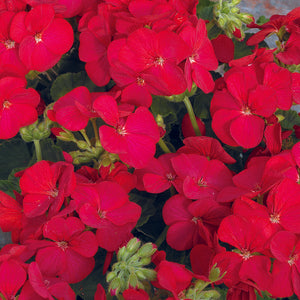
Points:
x=164 y=146
x=161 y=237
x=191 y=113
x=83 y=132
x=38 y=150
x=96 y=131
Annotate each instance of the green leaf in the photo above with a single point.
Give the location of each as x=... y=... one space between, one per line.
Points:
x=11 y=184
x=171 y=112
x=290 y=118
x=206 y=13
x=201 y=105
x=147 y=204
x=67 y=82
x=14 y=153
x=262 y=20
x=241 y=49
x=205 y=9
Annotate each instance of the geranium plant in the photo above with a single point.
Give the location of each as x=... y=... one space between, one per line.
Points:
x=149 y=150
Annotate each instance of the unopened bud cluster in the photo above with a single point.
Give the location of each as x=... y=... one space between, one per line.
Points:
x=230 y=19
x=39 y=130
x=129 y=271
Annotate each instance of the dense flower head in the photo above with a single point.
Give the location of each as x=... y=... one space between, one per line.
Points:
x=140 y=168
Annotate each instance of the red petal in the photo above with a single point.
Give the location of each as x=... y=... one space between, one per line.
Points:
x=182 y=235
x=202 y=78
x=106 y=107
x=12 y=278
x=39 y=18
x=282 y=245
x=175 y=210
x=221 y=124
x=247 y=130
x=58 y=37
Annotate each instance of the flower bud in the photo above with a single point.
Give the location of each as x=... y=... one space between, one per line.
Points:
x=214 y=274
x=211 y=295
x=146 y=250
x=110 y=276
x=132 y=281
x=146 y=274
x=82 y=145
x=133 y=245
x=115 y=286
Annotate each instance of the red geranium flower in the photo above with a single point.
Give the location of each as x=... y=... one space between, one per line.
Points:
x=45 y=185
x=44 y=37
x=68 y=251
x=132 y=138
x=17 y=106
x=201 y=57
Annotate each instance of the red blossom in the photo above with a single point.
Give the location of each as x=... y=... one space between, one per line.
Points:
x=201 y=58
x=157 y=55
x=106 y=206
x=45 y=37
x=45 y=186
x=17 y=106
x=74 y=109
x=135 y=144
x=68 y=251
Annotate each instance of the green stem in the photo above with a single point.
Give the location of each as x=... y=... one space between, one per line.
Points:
x=161 y=237
x=164 y=146
x=83 y=132
x=96 y=131
x=210 y=25
x=191 y=113
x=38 y=150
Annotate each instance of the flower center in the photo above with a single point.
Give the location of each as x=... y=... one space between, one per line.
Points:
x=54 y=192
x=6 y=104
x=192 y=59
x=246 y=111
x=140 y=81
x=293 y=259
x=201 y=182
x=9 y=44
x=170 y=176
x=245 y=254
x=121 y=130
x=47 y=283
x=38 y=37
x=63 y=245
x=195 y=220
x=159 y=61
x=102 y=214
x=275 y=218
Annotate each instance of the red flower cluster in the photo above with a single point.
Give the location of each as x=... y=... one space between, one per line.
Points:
x=63 y=215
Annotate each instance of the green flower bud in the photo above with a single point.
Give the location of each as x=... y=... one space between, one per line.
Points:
x=132 y=281
x=140 y=262
x=146 y=274
x=133 y=245
x=210 y=295
x=115 y=286
x=110 y=276
x=82 y=145
x=246 y=18
x=214 y=274
x=121 y=253
x=146 y=250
